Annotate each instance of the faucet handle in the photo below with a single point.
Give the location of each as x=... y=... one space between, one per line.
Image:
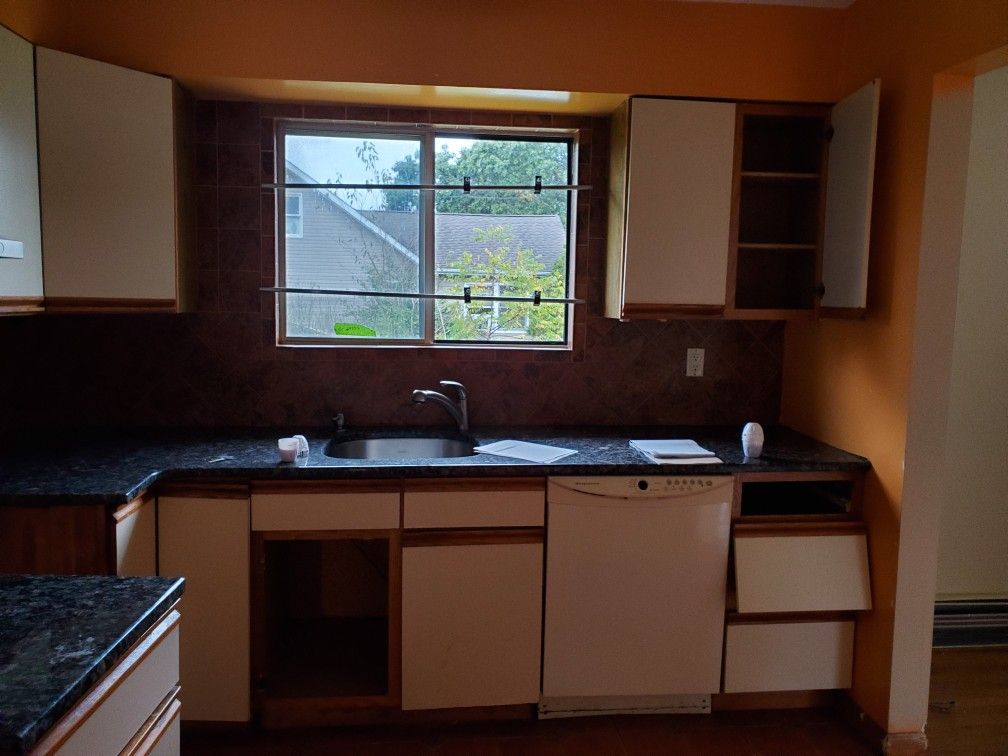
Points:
x=457 y=386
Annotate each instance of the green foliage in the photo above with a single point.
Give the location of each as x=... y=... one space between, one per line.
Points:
x=488 y=161
x=497 y=269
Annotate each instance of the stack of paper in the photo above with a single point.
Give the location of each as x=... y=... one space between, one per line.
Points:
x=675 y=451
x=526 y=451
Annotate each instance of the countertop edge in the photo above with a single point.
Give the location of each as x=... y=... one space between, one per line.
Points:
x=28 y=737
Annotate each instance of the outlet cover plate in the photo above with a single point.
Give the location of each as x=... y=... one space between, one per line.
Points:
x=694 y=363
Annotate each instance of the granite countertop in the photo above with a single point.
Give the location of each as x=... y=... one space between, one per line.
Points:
x=113 y=468
x=59 y=635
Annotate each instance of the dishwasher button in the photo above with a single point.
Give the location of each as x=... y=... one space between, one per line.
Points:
x=642 y=485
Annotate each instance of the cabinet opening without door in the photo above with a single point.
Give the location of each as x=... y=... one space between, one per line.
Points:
x=328 y=619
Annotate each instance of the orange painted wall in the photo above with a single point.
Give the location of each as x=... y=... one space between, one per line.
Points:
x=846 y=382
x=636 y=46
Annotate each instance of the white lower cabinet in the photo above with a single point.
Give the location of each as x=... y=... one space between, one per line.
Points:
x=133 y=709
x=471 y=624
x=788 y=656
x=206 y=541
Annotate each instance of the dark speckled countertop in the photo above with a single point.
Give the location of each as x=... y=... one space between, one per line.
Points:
x=109 y=468
x=59 y=635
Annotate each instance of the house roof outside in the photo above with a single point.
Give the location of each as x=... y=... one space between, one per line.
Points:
x=454 y=233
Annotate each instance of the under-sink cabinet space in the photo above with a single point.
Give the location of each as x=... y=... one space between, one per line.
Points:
x=326 y=616
x=471 y=618
x=778 y=656
x=801 y=567
x=484 y=503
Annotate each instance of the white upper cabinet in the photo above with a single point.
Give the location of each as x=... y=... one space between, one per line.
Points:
x=850 y=180
x=20 y=266
x=111 y=153
x=670 y=207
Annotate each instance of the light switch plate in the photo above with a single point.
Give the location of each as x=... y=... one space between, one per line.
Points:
x=11 y=248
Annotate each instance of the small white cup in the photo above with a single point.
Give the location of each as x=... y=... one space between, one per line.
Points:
x=288 y=448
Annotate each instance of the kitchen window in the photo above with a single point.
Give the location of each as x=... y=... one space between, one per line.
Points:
x=372 y=218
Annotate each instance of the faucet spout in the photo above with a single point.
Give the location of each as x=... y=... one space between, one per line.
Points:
x=458 y=410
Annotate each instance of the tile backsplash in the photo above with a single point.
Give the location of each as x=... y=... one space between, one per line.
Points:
x=220 y=366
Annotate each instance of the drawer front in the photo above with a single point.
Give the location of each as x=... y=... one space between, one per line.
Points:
x=111 y=726
x=788 y=656
x=325 y=511
x=802 y=573
x=474 y=509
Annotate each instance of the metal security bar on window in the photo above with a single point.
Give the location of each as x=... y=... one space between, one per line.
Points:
x=467 y=296
x=466 y=187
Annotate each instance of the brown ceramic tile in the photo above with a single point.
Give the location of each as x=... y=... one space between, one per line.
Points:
x=239 y=291
x=238 y=122
x=366 y=113
x=454 y=117
x=267 y=209
x=266 y=134
x=206 y=248
x=238 y=208
x=326 y=112
x=238 y=164
x=239 y=249
x=205 y=165
x=533 y=120
x=409 y=115
x=281 y=110
x=267 y=165
x=206 y=207
x=205 y=121
x=491 y=118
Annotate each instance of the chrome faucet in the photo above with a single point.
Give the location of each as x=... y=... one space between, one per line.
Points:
x=458 y=410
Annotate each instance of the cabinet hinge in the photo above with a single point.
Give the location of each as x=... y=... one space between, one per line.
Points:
x=828 y=134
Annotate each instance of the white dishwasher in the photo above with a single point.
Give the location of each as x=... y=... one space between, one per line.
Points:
x=635 y=593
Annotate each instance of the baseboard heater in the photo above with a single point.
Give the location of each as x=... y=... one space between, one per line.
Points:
x=594 y=706
x=971 y=623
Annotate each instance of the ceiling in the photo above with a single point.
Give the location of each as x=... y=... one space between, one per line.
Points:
x=803 y=3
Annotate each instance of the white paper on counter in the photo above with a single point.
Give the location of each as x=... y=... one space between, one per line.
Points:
x=684 y=460
x=671 y=448
x=526 y=451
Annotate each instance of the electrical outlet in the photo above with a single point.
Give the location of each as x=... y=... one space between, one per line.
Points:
x=694 y=362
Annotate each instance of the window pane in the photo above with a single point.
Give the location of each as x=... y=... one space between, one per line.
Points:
x=499 y=254
x=344 y=245
x=353 y=239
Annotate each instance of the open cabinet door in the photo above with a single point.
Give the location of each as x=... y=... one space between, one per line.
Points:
x=849 y=183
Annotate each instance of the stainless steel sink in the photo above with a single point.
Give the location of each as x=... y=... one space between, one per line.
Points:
x=399 y=448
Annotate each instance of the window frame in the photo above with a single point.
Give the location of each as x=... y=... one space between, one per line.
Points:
x=426 y=211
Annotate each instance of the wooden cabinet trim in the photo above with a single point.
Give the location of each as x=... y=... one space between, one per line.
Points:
x=73 y=719
x=204 y=490
x=325 y=486
x=650 y=311
x=20 y=305
x=491 y=485
x=773 y=477
x=786 y=618
x=472 y=537
x=107 y=304
x=133 y=505
x=799 y=527
x=156 y=725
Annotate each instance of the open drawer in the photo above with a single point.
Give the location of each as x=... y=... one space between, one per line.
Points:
x=801 y=567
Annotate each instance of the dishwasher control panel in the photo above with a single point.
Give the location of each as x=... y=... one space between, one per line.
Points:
x=643 y=487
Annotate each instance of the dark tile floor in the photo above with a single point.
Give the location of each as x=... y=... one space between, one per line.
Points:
x=779 y=732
